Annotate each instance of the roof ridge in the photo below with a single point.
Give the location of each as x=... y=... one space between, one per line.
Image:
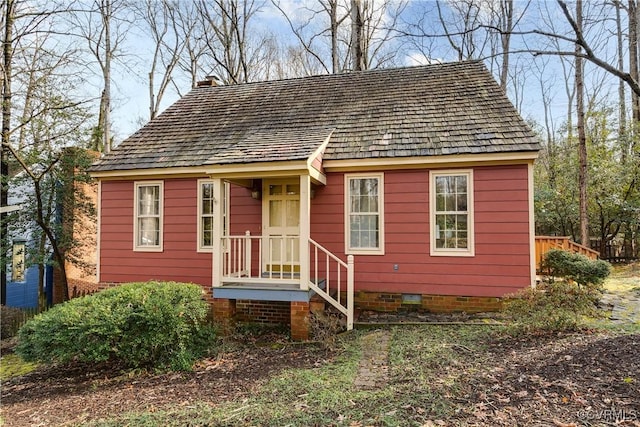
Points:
x=346 y=73
x=425 y=110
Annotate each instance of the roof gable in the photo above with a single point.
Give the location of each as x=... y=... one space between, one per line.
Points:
x=432 y=110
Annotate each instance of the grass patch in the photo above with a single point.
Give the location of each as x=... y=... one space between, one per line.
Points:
x=426 y=367
x=429 y=363
x=12 y=365
x=624 y=278
x=616 y=328
x=631 y=270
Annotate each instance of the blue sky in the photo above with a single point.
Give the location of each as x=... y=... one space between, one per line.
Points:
x=131 y=93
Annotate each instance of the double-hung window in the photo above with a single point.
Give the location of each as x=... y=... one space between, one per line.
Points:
x=451 y=213
x=364 y=222
x=205 y=213
x=148 y=216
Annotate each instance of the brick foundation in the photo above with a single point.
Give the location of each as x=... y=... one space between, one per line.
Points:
x=450 y=303
x=267 y=312
x=299 y=321
x=390 y=302
x=377 y=301
x=224 y=311
x=106 y=285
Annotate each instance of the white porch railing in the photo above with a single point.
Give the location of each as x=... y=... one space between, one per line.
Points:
x=338 y=279
x=274 y=259
x=256 y=258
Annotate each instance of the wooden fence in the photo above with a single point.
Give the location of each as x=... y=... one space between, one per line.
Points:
x=76 y=293
x=13 y=318
x=545 y=243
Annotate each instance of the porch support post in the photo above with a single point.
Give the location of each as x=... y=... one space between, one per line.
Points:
x=216 y=238
x=299 y=321
x=350 y=284
x=305 y=226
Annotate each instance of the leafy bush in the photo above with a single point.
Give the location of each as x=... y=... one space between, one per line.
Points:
x=137 y=324
x=551 y=307
x=576 y=267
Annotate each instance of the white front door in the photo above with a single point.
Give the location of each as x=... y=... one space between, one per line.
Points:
x=281 y=225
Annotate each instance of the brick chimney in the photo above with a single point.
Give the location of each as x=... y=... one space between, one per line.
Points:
x=208 y=81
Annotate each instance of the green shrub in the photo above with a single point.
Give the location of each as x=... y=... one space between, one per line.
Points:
x=576 y=267
x=137 y=324
x=551 y=307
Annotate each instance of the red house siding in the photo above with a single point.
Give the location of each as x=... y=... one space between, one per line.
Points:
x=246 y=213
x=502 y=247
x=179 y=260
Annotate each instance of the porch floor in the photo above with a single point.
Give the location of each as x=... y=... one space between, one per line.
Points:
x=265 y=291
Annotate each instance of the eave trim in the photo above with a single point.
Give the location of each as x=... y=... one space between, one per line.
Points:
x=386 y=163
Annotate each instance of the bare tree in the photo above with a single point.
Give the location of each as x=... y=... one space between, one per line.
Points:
x=463 y=29
x=633 y=57
x=190 y=36
x=471 y=29
x=39 y=80
x=103 y=27
x=380 y=19
x=340 y=35
x=357 y=36
x=8 y=18
x=227 y=34
x=160 y=18
x=587 y=51
x=20 y=21
x=506 y=27
x=310 y=36
x=622 y=104
x=582 y=139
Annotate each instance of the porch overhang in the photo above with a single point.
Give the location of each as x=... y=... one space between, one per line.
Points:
x=226 y=172
x=311 y=166
x=267 y=170
x=260 y=155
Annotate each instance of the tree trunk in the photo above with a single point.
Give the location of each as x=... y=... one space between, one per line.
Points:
x=505 y=37
x=42 y=297
x=357 y=57
x=105 y=102
x=7 y=58
x=633 y=59
x=102 y=135
x=622 y=102
x=335 y=62
x=58 y=255
x=582 y=140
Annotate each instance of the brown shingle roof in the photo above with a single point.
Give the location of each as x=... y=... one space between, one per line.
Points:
x=432 y=110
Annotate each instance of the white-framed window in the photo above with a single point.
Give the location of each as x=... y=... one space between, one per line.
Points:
x=148 y=212
x=205 y=213
x=364 y=214
x=451 y=212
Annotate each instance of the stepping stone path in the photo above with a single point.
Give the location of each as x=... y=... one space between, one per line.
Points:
x=374 y=364
x=626 y=306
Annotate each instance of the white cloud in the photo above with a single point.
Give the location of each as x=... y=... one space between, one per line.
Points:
x=418 y=58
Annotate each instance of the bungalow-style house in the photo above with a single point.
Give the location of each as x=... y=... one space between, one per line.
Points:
x=375 y=189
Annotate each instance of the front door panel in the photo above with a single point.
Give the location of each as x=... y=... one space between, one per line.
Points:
x=281 y=225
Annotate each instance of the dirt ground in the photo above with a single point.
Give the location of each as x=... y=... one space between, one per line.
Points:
x=583 y=379
x=580 y=379
x=70 y=395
